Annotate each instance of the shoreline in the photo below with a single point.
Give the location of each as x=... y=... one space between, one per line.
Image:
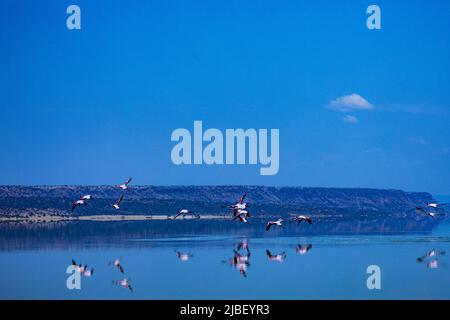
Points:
x=108 y=218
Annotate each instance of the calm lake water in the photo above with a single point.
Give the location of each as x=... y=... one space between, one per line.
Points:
x=321 y=261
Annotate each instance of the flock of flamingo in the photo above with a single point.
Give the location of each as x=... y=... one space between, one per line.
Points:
x=241 y=213
x=240 y=210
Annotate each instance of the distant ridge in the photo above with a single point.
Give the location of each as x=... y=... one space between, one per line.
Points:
x=29 y=200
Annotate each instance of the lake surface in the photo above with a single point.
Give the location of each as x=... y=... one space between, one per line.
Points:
x=226 y=260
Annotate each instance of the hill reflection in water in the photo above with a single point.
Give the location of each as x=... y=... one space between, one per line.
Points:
x=78 y=234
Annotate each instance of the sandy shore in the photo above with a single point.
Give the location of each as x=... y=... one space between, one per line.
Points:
x=48 y=218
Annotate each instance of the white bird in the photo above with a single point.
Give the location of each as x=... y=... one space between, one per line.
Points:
x=78 y=203
x=428 y=213
x=436 y=205
x=276 y=257
x=241 y=212
x=82 y=201
x=124 y=186
x=240 y=205
x=244 y=212
x=242 y=217
x=184 y=256
x=185 y=212
x=301 y=218
x=117 y=204
x=278 y=223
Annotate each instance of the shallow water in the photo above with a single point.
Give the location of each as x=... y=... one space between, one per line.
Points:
x=34 y=258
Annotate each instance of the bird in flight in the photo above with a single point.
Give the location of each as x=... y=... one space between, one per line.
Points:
x=301 y=218
x=82 y=201
x=124 y=186
x=241 y=212
x=240 y=205
x=428 y=213
x=185 y=212
x=436 y=205
x=78 y=203
x=116 y=205
x=278 y=223
x=242 y=217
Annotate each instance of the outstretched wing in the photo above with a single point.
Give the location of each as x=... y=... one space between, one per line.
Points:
x=439 y=214
x=177 y=215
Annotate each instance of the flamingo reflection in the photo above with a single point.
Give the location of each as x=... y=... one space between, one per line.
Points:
x=431 y=258
x=124 y=283
x=83 y=269
x=303 y=249
x=280 y=257
x=118 y=264
x=241 y=259
x=183 y=256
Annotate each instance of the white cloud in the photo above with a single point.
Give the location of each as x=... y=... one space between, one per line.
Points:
x=351 y=102
x=350 y=119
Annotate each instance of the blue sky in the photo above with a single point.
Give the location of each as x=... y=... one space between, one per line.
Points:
x=96 y=105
